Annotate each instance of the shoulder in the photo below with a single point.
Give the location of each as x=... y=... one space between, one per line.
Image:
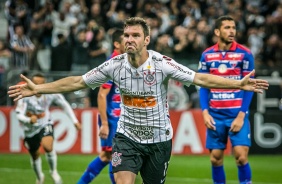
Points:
x=157 y=57
x=243 y=48
x=119 y=58
x=209 y=49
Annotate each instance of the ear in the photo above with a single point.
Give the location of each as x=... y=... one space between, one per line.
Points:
x=217 y=32
x=116 y=45
x=147 y=40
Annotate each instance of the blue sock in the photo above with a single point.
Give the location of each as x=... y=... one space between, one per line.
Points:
x=111 y=173
x=245 y=174
x=94 y=168
x=218 y=175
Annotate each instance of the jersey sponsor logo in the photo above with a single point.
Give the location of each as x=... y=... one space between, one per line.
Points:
x=142 y=132
x=154 y=58
x=119 y=57
x=178 y=68
x=116 y=160
x=149 y=77
x=235 y=56
x=167 y=58
x=223 y=96
x=92 y=72
x=139 y=101
x=246 y=64
x=129 y=92
x=103 y=65
x=213 y=55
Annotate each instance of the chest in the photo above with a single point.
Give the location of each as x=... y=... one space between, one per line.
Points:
x=139 y=82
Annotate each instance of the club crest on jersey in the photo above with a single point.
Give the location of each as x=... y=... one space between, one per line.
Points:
x=222 y=68
x=149 y=77
x=116 y=160
x=233 y=64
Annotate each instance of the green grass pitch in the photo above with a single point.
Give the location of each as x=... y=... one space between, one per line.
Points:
x=15 y=169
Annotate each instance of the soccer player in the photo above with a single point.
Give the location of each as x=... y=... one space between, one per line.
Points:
x=33 y=113
x=143 y=141
x=109 y=111
x=225 y=112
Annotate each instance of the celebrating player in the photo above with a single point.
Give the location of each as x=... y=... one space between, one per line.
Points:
x=33 y=113
x=143 y=140
x=225 y=112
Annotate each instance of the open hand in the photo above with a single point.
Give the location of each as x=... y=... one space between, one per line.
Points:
x=255 y=85
x=23 y=90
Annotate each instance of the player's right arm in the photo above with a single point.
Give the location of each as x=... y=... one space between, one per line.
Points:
x=102 y=108
x=67 y=84
x=21 y=110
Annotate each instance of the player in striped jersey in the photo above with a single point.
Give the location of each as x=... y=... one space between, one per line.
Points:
x=143 y=139
x=225 y=112
x=34 y=115
x=109 y=111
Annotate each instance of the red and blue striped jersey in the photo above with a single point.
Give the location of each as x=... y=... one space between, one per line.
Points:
x=113 y=97
x=234 y=63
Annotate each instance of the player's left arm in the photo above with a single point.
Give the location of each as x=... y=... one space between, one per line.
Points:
x=247 y=67
x=62 y=102
x=102 y=108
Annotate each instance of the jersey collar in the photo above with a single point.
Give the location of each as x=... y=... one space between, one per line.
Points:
x=232 y=48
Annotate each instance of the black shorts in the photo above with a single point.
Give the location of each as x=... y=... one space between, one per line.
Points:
x=33 y=143
x=150 y=159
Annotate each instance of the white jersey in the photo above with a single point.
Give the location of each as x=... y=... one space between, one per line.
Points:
x=40 y=106
x=144 y=109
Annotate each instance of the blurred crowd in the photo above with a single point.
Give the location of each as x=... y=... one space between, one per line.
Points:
x=74 y=35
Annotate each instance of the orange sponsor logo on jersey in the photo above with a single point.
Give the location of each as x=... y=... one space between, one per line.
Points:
x=137 y=101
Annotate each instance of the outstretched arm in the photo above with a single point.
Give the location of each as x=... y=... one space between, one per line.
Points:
x=67 y=84
x=247 y=83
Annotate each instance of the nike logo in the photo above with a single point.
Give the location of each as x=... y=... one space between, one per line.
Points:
x=123 y=78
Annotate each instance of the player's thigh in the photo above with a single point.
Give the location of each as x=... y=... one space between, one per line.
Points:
x=155 y=165
x=124 y=177
x=32 y=144
x=47 y=138
x=217 y=139
x=243 y=137
x=126 y=155
x=241 y=154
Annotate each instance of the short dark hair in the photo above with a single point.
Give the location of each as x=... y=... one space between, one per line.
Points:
x=116 y=36
x=218 y=22
x=38 y=75
x=132 y=21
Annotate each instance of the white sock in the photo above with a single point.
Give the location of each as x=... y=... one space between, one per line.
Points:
x=37 y=167
x=51 y=158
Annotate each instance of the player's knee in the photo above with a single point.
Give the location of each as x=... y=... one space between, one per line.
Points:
x=216 y=161
x=105 y=156
x=48 y=149
x=241 y=160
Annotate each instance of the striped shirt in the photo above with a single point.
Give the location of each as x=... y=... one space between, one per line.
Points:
x=234 y=63
x=144 y=109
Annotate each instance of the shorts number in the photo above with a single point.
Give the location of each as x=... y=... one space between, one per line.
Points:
x=48 y=129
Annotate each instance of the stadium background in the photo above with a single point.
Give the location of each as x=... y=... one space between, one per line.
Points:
x=259 y=28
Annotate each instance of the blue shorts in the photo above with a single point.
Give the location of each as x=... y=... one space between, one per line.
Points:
x=107 y=143
x=217 y=139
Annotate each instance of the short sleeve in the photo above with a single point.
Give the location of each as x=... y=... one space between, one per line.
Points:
x=99 y=75
x=178 y=72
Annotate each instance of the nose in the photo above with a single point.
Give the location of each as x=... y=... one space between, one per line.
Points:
x=129 y=38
